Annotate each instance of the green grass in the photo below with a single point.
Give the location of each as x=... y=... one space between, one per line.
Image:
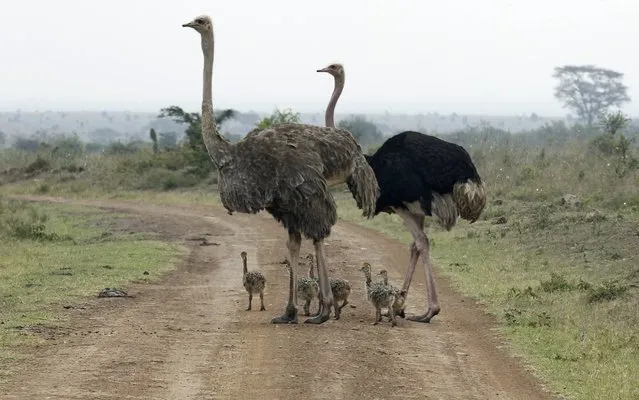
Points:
x=561 y=283
x=73 y=258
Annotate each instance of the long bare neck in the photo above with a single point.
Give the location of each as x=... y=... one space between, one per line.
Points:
x=244 y=266
x=219 y=149
x=311 y=269
x=368 y=278
x=385 y=277
x=330 y=109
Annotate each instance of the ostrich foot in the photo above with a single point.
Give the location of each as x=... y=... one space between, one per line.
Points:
x=289 y=317
x=425 y=317
x=262 y=308
x=320 y=318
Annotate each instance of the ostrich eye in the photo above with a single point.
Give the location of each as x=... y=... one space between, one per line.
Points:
x=199 y=21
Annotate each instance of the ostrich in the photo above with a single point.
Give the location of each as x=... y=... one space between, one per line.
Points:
x=340 y=288
x=308 y=288
x=254 y=282
x=400 y=295
x=380 y=295
x=286 y=170
x=420 y=175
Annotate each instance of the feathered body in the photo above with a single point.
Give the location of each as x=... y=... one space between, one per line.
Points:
x=379 y=295
x=427 y=175
x=254 y=282
x=340 y=287
x=308 y=288
x=400 y=295
x=288 y=170
x=341 y=290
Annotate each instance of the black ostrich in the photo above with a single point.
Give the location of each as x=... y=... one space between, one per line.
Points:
x=420 y=175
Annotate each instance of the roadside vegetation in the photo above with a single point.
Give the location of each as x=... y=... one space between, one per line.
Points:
x=553 y=258
x=53 y=257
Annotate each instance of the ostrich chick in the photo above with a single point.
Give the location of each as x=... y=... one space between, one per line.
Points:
x=341 y=289
x=400 y=295
x=379 y=295
x=254 y=282
x=308 y=288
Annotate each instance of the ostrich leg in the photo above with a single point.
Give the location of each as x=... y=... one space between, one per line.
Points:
x=326 y=300
x=415 y=225
x=290 y=314
x=420 y=246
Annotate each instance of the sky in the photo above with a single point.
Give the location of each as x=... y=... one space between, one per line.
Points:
x=402 y=56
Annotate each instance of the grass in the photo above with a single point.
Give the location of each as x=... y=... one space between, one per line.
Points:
x=74 y=256
x=562 y=284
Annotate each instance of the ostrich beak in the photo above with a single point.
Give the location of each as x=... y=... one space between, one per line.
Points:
x=322 y=70
x=188 y=25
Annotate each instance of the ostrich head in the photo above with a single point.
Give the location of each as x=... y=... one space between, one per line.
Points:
x=383 y=273
x=202 y=24
x=366 y=268
x=243 y=255
x=310 y=258
x=336 y=69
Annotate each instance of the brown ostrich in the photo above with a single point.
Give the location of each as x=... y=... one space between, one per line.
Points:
x=286 y=170
x=254 y=282
x=420 y=175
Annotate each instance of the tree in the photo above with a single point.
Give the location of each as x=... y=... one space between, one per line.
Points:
x=365 y=132
x=279 y=117
x=589 y=90
x=167 y=140
x=198 y=156
x=3 y=139
x=154 y=139
x=194 y=121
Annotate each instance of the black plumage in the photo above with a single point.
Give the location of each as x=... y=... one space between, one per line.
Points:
x=412 y=167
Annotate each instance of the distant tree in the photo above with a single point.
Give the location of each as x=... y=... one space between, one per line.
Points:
x=198 y=155
x=589 y=91
x=614 y=142
x=167 y=140
x=365 y=132
x=3 y=139
x=154 y=139
x=194 y=121
x=278 y=117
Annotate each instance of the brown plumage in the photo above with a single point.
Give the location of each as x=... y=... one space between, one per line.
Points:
x=380 y=296
x=400 y=295
x=254 y=282
x=308 y=289
x=286 y=170
x=340 y=288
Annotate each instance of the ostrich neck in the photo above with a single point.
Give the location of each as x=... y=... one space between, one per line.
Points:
x=330 y=109
x=311 y=273
x=219 y=149
x=244 y=266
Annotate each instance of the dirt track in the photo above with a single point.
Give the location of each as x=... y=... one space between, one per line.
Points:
x=188 y=336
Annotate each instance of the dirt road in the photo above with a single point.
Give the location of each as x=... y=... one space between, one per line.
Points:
x=188 y=336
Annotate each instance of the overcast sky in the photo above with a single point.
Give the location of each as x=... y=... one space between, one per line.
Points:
x=470 y=56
